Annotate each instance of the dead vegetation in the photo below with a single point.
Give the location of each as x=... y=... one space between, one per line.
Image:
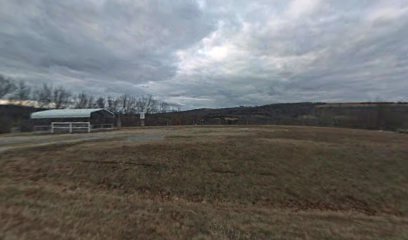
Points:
x=211 y=183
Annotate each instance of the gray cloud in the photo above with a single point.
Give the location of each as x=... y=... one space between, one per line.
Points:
x=209 y=53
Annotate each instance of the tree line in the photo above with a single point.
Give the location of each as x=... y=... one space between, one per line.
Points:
x=47 y=96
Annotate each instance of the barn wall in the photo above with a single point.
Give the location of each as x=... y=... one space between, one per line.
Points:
x=48 y=121
x=102 y=117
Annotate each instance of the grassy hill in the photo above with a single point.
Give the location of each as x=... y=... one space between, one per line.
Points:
x=211 y=183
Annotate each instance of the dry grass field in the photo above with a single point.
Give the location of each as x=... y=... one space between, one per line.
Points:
x=264 y=182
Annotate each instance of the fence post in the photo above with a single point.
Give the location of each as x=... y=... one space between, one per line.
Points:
x=70 y=127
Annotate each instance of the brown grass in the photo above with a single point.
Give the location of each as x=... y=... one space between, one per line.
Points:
x=211 y=183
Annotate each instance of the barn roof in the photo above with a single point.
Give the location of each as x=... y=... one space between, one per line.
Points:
x=66 y=113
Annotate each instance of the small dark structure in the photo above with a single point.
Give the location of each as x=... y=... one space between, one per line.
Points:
x=73 y=120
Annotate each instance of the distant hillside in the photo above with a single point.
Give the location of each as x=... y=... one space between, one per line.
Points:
x=267 y=114
x=387 y=116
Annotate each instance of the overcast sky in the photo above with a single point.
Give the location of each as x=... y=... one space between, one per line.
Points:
x=211 y=53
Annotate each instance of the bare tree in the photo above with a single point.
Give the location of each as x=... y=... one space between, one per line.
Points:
x=43 y=95
x=164 y=107
x=91 y=102
x=22 y=92
x=123 y=103
x=173 y=107
x=61 y=97
x=81 y=101
x=131 y=105
x=127 y=104
x=6 y=86
x=154 y=106
x=100 y=102
x=84 y=100
x=113 y=104
x=147 y=104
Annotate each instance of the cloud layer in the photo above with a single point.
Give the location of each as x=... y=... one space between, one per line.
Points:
x=210 y=53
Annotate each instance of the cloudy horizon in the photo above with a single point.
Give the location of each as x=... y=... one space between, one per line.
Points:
x=209 y=53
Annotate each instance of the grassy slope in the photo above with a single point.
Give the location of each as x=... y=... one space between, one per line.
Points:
x=212 y=183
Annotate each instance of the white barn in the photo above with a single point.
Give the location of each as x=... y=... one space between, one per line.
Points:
x=73 y=120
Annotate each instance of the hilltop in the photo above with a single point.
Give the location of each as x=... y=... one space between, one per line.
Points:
x=381 y=115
